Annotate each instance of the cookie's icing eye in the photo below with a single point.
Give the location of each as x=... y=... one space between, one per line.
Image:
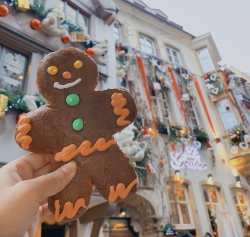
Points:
x=78 y=64
x=52 y=70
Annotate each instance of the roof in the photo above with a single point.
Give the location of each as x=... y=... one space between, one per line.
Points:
x=157 y=13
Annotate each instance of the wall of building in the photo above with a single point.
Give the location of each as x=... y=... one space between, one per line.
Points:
x=134 y=22
x=18 y=23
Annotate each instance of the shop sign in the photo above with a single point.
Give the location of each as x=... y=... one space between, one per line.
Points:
x=187 y=158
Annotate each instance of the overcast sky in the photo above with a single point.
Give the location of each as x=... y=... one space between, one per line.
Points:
x=227 y=20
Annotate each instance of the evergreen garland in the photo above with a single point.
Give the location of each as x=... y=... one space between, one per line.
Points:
x=239 y=132
x=143 y=172
x=17 y=102
x=38 y=10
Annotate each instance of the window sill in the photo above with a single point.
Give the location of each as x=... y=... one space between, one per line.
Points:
x=184 y=227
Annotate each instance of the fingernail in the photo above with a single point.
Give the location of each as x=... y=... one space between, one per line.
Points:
x=70 y=167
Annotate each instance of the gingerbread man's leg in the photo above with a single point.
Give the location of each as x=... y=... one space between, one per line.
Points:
x=113 y=175
x=74 y=199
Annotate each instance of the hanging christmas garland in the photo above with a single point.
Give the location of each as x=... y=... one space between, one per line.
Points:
x=37 y=9
x=16 y=101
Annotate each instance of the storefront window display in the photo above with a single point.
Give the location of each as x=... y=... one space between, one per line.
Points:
x=240 y=200
x=212 y=198
x=180 y=207
x=13 y=67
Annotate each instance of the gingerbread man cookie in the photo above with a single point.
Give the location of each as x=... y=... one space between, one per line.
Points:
x=78 y=123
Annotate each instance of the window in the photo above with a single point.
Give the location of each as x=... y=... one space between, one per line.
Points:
x=117 y=32
x=75 y=16
x=160 y=106
x=173 y=56
x=227 y=115
x=123 y=84
x=180 y=207
x=242 y=207
x=206 y=60
x=13 y=67
x=147 y=45
x=212 y=198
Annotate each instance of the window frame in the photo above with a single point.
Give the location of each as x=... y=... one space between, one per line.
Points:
x=224 y=123
x=118 y=25
x=182 y=225
x=213 y=204
x=78 y=11
x=240 y=205
x=146 y=38
x=210 y=59
x=126 y=88
x=159 y=108
x=3 y=52
x=171 y=54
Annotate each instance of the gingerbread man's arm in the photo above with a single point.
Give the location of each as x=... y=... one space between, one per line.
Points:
x=32 y=130
x=121 y=110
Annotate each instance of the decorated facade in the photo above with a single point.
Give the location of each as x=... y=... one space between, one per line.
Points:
x=190 y=141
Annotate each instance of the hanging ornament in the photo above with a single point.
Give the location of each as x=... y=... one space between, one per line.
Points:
x=232 y=135
x=3 y=105
x=183 y=140
x=243 y=145
x=238 y=137
x=4 y=11
x=145 y=133
x=66 y=39
x=18 y=117
x=206 y=79
x=208 y=145
x=173 y=148
x=150 y=168
x=23 y=5
x=238 y=132
x=77 y=36
x=161 y=80
x=247 y=138
x=35 y=24
x=2 y=126
x=230 y=76
x=90 y=52
x=213 y=77
x=234 y=150
x=137 y=131
x=161 y=163
x=197 y=144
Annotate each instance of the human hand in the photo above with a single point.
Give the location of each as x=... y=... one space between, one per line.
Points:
x=25 y=185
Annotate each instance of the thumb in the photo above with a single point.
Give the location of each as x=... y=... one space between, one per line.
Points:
x=52 y=183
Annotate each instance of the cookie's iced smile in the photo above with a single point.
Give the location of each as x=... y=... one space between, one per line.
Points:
x=59 y=86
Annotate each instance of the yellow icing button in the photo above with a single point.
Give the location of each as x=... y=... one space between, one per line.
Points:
x=52 y=70
x=78 y=64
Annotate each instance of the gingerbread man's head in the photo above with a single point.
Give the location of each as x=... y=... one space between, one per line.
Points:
x=66 y=71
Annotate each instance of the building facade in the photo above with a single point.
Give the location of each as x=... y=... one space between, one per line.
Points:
x=192 y=122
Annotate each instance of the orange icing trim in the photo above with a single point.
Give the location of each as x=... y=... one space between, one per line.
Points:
x=118 y=102
x=69 y=152
x=23 y=128
x=68 y=210
x=120 y=191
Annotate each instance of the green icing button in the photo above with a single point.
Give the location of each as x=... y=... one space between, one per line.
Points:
x=78 y=124
x=72 y=99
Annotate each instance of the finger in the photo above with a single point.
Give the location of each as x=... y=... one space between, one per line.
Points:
x=35 y=160
x=52 y=183
x=44 y=211
x=42 y=171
